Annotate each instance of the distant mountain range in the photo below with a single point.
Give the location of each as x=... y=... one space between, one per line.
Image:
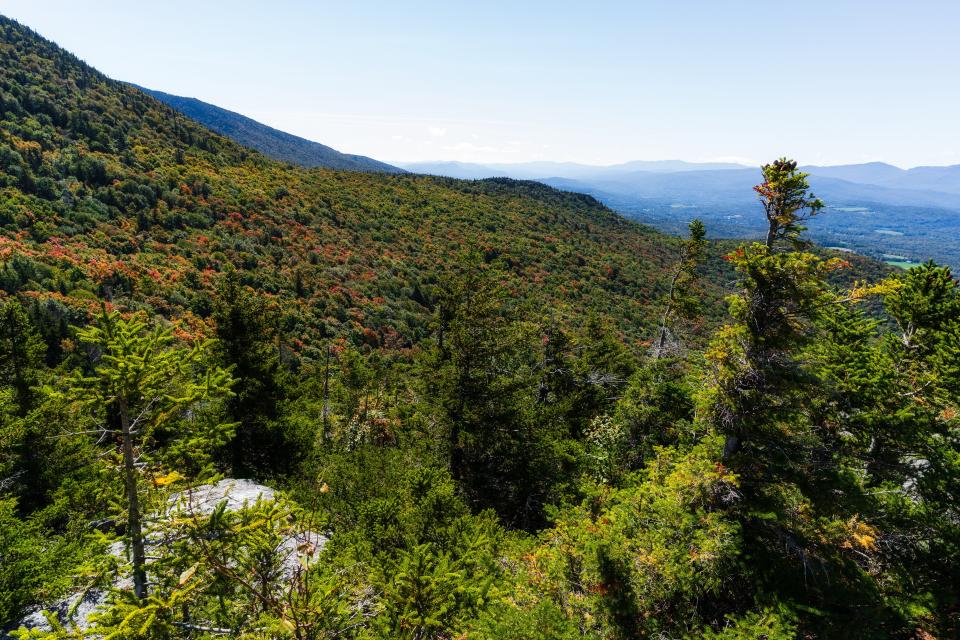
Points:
x=726 y=187
x=901 y=185
x=899 y=215
x=277 y=144
x=570 y=170
x=943 y=179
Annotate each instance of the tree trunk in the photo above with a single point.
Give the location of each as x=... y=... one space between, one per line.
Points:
x=668 y=311
x=730 y=447
x=772 y=232
x=661 y=341
x=134 y=526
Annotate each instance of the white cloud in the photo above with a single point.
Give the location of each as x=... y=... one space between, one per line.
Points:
x=437 y=132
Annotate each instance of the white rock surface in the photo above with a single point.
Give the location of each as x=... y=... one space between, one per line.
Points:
x=205 y=498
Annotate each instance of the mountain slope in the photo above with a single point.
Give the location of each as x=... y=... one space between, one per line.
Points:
x=267 y=140
x=107 y=192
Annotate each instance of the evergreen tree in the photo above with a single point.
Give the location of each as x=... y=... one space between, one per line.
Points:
x=756 y=372
x=140 y=382
x=602 y=365
x=479 y=377
x=21 y=356
x=917 y=457
x=656 y=409
x=244 y=344
x=763 y=397
x=787 y=201
x=21 y=366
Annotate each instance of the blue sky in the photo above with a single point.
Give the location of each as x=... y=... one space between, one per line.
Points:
x=825 y=81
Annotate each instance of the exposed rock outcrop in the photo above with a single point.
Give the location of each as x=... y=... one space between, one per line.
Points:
x=76 y=609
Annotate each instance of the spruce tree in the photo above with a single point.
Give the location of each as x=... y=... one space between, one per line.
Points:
x=21 y=356
x=763 y=396
x=21 y=366
x=245 y=344
x=141 y=382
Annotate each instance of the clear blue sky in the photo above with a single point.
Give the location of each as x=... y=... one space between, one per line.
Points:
x=826 y=81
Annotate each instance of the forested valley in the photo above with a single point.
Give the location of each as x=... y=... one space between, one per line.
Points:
x=455 y=409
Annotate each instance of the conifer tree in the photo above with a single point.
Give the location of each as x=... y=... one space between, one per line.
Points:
x=21 y=356
x=763 y=397
x=21 y=364
x=141 y=382
x=755 y=369
x=919 y=453
x=481 y=377
x=787 y=201
x=470 y=341
x=244 y=344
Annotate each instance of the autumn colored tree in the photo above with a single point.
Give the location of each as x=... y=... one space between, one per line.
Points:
x=787 y=201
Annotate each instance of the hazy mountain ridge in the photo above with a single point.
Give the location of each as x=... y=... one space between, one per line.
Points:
x=274 y=143
x=945 y=179
x=927 y=178
x=542 y=169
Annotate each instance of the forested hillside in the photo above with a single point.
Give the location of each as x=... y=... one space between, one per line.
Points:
x=484 y=410
x=109 y=193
